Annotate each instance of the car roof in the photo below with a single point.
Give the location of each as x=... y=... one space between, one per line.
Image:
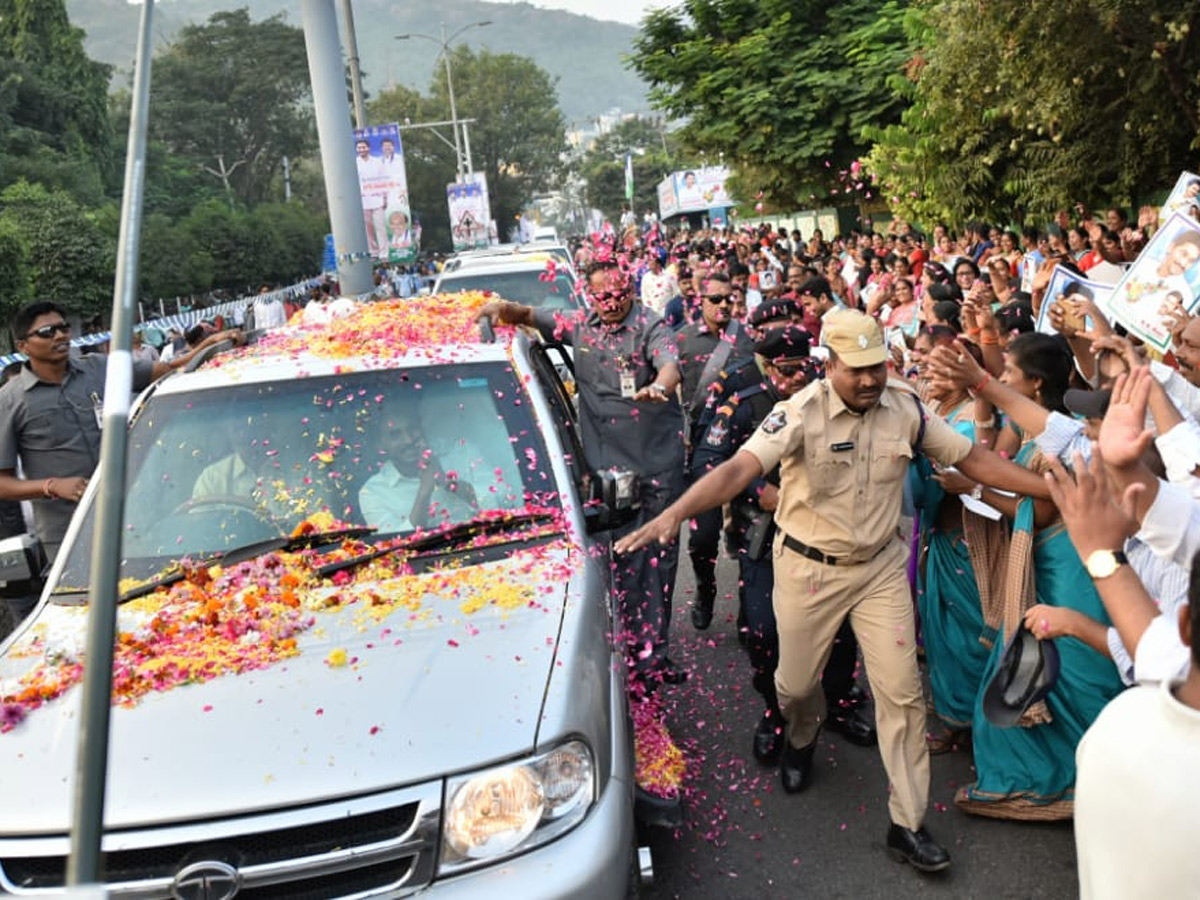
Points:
x=347 y=336
x=508 y=252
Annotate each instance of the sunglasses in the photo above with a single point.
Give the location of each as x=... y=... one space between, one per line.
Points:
x=48 y=331
x=789 y=371
x=606 y=296
x=719 y=299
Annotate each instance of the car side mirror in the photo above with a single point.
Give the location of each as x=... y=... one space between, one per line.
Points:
x=614 y=499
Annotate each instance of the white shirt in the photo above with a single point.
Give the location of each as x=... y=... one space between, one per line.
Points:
x=658 y=290
x=1137 y=793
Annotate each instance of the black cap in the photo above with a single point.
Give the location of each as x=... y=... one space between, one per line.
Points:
x=1089 y=404
x=788 y=342
x=1023 y=676
x=780 y=308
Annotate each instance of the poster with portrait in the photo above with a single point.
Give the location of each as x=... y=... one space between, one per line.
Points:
x=1184 y=198
x=468 y=215
x=1063 y=285
x=1165 y=273
x=383 y=183
x=701 y=188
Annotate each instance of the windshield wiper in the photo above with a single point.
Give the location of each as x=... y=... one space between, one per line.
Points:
x=250 y=551
x=444 y=538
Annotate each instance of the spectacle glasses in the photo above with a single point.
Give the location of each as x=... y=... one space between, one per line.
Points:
x=48 y=331
x=719 y=299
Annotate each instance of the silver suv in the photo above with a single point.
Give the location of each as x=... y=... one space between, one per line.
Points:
x=365 y=636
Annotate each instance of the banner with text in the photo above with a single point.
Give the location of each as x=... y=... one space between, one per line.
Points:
x=468 y=214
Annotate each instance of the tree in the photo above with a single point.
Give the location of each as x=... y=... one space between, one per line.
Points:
x=54 y=126
x=518 y=139
x=603 y=166
x=233 y=98
x=69 y=257
x=1015 y=115
x=782 y=88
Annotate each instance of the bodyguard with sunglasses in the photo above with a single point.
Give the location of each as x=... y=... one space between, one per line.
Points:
x=627 y=373
x=708 y=348
x=50 y=415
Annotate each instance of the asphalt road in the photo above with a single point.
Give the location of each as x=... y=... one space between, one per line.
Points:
x=744 y=837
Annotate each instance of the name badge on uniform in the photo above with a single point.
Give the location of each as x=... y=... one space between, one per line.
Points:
x=628 y=385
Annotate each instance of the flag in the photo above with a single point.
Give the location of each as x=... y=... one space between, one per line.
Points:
x=629 y=177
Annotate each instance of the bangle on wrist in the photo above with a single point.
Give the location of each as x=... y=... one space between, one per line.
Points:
x=985 y=423
x=975 y=389
x=974 y=332
x=989 y=340
x=47 y=486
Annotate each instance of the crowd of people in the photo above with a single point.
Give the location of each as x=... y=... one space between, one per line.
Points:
x=905 y=462
x=901 y=449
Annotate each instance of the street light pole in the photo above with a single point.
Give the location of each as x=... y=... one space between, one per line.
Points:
x=458 y=166
x=445 y=42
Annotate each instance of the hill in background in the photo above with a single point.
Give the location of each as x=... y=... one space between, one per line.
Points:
x=585 y=54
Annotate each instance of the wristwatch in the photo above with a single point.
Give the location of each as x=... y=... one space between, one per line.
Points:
x=1103 y=563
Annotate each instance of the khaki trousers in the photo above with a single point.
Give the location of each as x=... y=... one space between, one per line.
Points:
x=811 y=600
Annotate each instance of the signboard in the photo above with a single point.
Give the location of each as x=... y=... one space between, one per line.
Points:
x=391 y=236
x=668 y=203
x=469 y=216
x=329 y=256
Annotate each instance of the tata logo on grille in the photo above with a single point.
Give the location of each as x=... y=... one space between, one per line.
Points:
x=206 y=881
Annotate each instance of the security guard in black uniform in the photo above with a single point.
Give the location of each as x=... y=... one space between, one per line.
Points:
x=783 y=366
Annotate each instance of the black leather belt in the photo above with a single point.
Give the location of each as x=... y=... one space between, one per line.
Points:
x=817 y=556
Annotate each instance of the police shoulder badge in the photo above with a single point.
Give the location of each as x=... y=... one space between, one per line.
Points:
x=717 y=432
x=774 y=422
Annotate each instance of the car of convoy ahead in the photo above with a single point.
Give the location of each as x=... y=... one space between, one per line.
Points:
x=534 y=279
x=364 y=637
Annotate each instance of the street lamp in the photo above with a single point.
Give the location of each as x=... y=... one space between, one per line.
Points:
x=444 y=43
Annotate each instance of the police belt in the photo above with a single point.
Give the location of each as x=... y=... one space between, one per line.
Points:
x=817 y=556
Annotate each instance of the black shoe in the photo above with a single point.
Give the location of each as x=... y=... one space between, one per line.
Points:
x=917 y=848
x=666 y=671
x=702 y=606
x=795 y=768
x=853 y=725
x=768 y=738
x=856 y=698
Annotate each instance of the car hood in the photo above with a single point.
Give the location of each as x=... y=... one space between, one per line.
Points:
x=417 y=677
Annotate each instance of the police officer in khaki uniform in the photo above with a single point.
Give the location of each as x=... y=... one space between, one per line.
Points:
x=843 y=446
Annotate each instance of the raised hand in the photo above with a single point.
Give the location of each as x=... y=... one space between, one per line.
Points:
x=1123 y=433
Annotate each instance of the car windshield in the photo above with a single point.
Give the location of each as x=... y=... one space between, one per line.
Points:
x=214 y=470
x=532 y=287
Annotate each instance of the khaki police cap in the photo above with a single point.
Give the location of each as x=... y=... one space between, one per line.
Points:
x=854 y=337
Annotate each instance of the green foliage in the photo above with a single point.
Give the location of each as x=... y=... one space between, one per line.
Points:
x=1015 y=113
x=781 y=88
x=69 y=258
x=603 y=166
x=14 y=272
x=54 y=126
x=517 y=139
x=231 y=97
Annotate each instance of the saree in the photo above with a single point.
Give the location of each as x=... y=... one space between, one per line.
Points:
x=1028 y=772
x=950 y=612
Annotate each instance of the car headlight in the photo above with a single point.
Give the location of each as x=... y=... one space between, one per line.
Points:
x=509 y=809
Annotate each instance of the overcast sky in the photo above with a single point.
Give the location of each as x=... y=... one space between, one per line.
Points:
x=628 y=11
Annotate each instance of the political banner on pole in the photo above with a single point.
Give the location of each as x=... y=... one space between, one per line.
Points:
x=1164 y=279
x=382 y=180
x=468 y=215
x=629 y=177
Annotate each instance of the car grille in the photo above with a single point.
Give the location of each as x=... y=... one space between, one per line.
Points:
x=356 y=848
